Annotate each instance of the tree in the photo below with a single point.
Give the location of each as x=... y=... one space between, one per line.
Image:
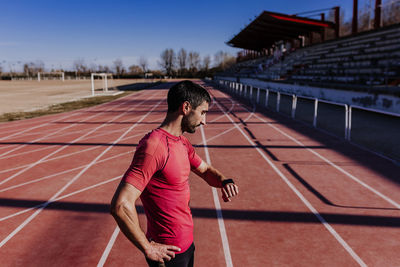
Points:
x=143 y=63
x=80 y=66
x=193 y=61
x=119 y=67
x=31 y=68
x=224 y=60
x=182 y=59
x=135 y=70
x=168 y=61
x=206 y=63
x=391 y=13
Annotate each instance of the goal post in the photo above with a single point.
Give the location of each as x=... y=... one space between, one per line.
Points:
x=43 y=75
x=104 y=78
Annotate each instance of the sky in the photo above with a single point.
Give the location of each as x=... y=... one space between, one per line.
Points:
x=99 y=32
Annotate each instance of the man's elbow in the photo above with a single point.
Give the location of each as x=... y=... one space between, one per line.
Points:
x=117 y=209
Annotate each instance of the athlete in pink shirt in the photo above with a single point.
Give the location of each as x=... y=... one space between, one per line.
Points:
x=159 y=175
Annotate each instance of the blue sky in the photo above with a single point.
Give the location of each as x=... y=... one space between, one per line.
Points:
x=59 y=32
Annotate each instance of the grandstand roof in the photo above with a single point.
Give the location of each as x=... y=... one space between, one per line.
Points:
x=269 y=28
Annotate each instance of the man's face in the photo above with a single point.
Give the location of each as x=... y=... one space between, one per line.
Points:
x=195 y=118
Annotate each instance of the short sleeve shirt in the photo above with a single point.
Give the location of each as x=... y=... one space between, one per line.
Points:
x=160 y=169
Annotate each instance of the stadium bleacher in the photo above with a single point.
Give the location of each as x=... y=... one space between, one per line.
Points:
x=367 y=59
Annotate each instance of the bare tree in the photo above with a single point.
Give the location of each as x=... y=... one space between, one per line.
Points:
x=80 y=66
x=193 y=61
x=391 y=13
x=224 y=60
x=31 y=68
x=168 y=61
x=143 y=63
x=135 y=70
x=182 y=59
x=119 y=67
x=206 y=63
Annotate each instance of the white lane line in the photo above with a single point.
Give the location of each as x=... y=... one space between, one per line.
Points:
x=34 y=127
x=301 y=197
x=370 y=188
x=63 y=147
x=354 y=178
x=52 y=133
x=60 y=198
x=63 y=135
x=108 y=247
x=61 y=173
x=65 y=155
x=222 y=230
x=30 y=218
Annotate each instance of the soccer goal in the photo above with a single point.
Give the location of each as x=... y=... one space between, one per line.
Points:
x=100 y=81
x=55 y=75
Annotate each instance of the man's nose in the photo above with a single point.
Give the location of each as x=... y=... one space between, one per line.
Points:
x=203 y=121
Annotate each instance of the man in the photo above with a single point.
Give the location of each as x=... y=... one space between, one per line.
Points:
x=159 y=175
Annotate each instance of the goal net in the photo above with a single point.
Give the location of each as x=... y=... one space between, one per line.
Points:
x=101 y=82
x=55 y=75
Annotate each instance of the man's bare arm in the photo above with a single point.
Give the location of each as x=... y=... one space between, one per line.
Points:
x=124 y=211
x=215 y=178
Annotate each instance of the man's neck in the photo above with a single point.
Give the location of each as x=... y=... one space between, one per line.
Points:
x=172 y=124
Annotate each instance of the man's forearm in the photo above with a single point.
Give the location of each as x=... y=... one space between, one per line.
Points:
x=128 y=222
x=213 y=177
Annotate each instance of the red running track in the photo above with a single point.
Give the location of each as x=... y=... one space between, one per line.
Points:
x=306 y=199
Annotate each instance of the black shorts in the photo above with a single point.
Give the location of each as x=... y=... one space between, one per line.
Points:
x=185 y=259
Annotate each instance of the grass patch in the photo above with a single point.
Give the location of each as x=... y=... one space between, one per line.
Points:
x=59 y=108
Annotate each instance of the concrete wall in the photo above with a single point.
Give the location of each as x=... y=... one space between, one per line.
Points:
x=382 y=102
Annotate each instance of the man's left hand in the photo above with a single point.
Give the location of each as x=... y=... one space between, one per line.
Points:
x=229 y=190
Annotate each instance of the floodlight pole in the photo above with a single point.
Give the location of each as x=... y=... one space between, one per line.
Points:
x=354 y=28
x=377 y=19
x=337 y=21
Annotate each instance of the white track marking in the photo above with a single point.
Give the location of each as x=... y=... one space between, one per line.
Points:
x=35 y=127
x=108 y=247
x=224 y=237
x=370 y=188
x=60 y=198
x=60 y=173
x=389 y=200
x=301 y=197
x=63 y=147
x=51 y=146
x=30 y=218
x=57 y=131
x=65 y=155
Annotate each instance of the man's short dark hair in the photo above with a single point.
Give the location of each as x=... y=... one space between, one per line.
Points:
x=186 y=91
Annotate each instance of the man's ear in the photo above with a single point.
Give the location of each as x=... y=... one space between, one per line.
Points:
x=186 y=107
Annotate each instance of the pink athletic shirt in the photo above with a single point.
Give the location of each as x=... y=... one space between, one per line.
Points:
x=160 y=169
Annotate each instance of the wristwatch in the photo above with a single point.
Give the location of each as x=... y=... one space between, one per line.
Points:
x=227 y=181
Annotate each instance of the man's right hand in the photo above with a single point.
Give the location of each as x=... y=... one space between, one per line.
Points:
x=160 y=252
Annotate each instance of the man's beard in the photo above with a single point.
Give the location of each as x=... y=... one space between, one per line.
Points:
x=187 y=126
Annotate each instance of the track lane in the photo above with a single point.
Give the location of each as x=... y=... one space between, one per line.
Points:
x=309 y=181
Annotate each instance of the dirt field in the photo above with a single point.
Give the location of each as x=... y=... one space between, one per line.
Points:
x=18 y=96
